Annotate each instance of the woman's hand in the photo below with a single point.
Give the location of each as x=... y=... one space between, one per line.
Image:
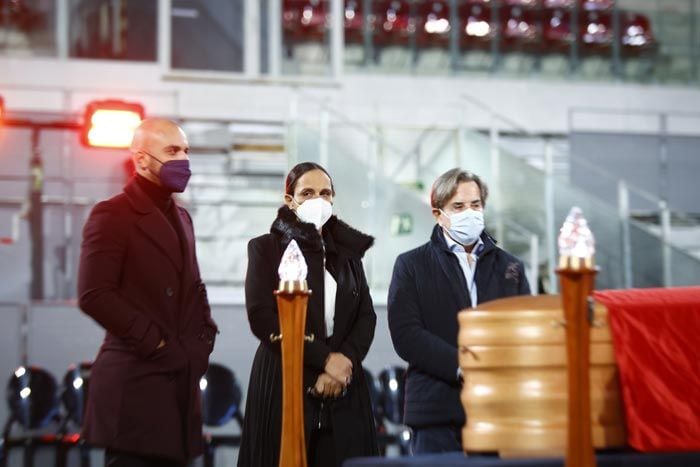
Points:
x=326 y=386
x=339 y=367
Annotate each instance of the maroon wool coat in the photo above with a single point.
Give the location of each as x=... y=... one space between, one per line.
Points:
x=141 y=283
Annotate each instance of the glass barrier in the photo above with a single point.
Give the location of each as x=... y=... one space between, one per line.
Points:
x=648 y=258
x=207 y=35
x=305 y=37
x=518 y=195
x=28 y=28
x=382 y=199
x=383 y=177
x=685 y=269
x=118 y=30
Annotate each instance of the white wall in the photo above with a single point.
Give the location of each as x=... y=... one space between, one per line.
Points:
x=539 y=106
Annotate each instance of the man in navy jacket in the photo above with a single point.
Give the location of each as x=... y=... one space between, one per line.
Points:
x=459 y=267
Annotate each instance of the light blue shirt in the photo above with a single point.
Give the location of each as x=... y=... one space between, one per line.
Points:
x=468 y=270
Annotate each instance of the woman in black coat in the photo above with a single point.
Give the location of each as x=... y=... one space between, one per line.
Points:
x=337 y=409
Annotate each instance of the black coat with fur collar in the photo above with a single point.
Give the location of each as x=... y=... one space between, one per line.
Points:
x=353 y=331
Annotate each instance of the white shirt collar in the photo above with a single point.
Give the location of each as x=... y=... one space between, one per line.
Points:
x=457 y=247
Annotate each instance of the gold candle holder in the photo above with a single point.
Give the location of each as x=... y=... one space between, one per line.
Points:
x=292 y=300
x=577 y=275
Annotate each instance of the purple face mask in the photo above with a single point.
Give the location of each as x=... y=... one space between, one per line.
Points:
x=174 y=175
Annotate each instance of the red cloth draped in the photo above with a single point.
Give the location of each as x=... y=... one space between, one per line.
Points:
x=656 y=334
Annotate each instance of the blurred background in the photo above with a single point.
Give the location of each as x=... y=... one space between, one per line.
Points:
x=555 y=103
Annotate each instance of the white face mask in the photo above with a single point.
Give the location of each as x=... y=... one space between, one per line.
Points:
x=466 y=226
x=315 y=211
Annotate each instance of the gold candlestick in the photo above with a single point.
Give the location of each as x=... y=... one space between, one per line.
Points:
x=577 y=275
x=292 y=299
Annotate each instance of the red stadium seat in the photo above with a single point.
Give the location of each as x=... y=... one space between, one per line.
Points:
x=595 y=32
x=556 y=30
x=354 y=19
x=393 y=22
x=477 y=28
x=636 y=36
x=523 y=25
x=433 y=24
x=520 y=28
x=304 y=21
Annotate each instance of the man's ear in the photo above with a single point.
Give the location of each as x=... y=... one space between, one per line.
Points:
x=138 y=158
x=288 y=201
x=436 y=215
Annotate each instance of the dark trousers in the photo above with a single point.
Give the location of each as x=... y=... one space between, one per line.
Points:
x=440 y=438
x=124 y=459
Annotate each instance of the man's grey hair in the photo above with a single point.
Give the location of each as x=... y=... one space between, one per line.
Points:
x=446 y=185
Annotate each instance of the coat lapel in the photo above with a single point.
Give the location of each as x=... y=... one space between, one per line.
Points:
x=190 y=271
x=154 y=224
x=158 y=229
x=450 y=268
x=485 y=268
x=184 y=226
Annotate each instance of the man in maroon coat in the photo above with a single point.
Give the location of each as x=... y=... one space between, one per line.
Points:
x=139 y=279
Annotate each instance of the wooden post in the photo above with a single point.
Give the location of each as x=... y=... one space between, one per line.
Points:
x=292 y=299
x=576 y=287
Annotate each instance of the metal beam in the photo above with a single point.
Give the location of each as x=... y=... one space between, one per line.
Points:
x=337 y=43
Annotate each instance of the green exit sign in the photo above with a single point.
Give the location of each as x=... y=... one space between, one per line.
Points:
x=401 y=224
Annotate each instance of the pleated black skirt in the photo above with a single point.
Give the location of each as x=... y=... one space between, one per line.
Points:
x=262 y=422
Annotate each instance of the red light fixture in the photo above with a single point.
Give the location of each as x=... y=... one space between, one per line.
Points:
x=110 y=123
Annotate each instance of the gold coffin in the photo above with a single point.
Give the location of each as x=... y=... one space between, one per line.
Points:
x=513 y=356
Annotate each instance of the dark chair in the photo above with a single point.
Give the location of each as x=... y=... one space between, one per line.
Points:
x=32 y=399
x=375 y=397
x=392 y=381
x=74 y=395
x=221 y=403
x=384 y=438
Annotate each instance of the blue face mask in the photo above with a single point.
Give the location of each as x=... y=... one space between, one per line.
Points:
x=174 y=175
x=466 y=226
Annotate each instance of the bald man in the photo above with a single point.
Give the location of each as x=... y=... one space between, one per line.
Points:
x=140 y=281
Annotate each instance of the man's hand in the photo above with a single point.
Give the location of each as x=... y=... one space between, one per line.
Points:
x=161 y=344
x=339 y=367
x=326 y=386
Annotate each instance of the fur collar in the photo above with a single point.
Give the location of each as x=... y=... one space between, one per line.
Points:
x=336 y=234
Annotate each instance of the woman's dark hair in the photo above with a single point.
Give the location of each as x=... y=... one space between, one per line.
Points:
x=300 y=169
